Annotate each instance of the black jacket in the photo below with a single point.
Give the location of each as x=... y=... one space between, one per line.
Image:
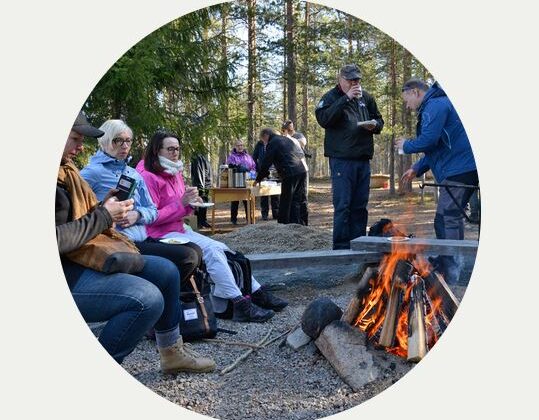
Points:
x=285 y=155
x=258 y=154
x=339 y=116
x=72 y=234
x=201 y=172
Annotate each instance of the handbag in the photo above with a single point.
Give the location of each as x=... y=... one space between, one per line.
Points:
x=197 y=319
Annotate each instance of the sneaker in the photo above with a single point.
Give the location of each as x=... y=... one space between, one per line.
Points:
x=246 y=311
x=182 y=358
x=205 y=224
x=266 y=300
x=265 y=217
x=234 y=222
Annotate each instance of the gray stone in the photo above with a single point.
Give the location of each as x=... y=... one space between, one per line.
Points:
x=345 y=347
x=318 y=314
x=297 y=339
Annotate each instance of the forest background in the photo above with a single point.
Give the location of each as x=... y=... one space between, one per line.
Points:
x=227 y=71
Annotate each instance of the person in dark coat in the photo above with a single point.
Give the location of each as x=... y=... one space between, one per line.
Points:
x=201 y=177
x=258 y=156
x=289 y=161
x=350 y=117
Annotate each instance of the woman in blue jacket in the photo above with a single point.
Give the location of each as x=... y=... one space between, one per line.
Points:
x=103 y=172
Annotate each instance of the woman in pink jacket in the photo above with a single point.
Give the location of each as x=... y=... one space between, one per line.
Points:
x=162 y=172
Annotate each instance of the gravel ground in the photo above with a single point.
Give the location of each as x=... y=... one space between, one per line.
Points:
x=275 y=382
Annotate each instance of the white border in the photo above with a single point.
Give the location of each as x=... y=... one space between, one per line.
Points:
x=55 y=52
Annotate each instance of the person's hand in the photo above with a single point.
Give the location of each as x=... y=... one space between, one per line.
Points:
x=112 y=193
x=255 y=183
x=399 y=144
x=118 y=209
x=408 y=176
x=190 y=195
x=354 y=92
x=368 y=125
x=130 y=219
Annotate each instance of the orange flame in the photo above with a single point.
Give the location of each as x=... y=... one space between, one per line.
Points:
x=372 y=314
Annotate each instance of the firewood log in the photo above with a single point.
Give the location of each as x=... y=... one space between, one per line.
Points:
x=401 y=276
x=417 y=337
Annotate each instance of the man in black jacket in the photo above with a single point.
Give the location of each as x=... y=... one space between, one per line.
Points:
x=201 y=177
x=258 y=156
x=350 y=117
x=289 y=161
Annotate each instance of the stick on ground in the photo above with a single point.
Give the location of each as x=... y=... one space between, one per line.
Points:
x=245 y=355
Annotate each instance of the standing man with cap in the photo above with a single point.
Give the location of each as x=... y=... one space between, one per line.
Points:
x=350 y=117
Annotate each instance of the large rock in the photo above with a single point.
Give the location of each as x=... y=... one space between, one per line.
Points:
x=318 y=314
x=345 y=347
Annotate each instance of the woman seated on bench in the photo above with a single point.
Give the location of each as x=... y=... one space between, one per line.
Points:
x=108 y=278
x=103 y=172
x=162 y=172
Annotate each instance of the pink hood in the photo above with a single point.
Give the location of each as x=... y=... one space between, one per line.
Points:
x=166 y=191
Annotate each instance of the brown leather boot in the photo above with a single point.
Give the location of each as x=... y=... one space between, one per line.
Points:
x=182 y=358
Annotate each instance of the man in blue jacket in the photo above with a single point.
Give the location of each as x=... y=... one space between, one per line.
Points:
x=447 y=152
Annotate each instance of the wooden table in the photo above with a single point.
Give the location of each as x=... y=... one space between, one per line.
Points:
x=249 y=194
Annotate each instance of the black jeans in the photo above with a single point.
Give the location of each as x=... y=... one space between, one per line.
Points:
x=234 y=205
x=186 y=257
x=201 y=212
x=293 y=199
x=264 y=205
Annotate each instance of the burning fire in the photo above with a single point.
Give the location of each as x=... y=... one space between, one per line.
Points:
x=393 y=295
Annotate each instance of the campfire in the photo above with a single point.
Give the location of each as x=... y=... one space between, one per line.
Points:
x=402 y=305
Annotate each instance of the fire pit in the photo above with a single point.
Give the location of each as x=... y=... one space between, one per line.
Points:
x=399 y=311
x=402 y=305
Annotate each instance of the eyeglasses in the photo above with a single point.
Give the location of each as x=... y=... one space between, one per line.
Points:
x=172 y=149
x=118 y=141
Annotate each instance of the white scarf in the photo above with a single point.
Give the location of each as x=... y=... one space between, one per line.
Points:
x=170 y=166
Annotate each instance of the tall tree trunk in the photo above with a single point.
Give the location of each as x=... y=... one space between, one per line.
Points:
x=393 y=99
x=226 y=139
x=405 y=161
x=290 y=61
x=251 y=69
x=349 y=26
x=305 y=81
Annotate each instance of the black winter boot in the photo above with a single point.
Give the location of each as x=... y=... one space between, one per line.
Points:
x=246 y=311
x=266 y=300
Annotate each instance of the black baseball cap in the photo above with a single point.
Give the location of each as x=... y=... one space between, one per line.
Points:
x=350 y=72
x=83 y=126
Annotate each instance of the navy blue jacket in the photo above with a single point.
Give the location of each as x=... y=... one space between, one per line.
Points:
x=440 y=135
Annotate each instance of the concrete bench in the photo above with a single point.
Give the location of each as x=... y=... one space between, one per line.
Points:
x=312 y=258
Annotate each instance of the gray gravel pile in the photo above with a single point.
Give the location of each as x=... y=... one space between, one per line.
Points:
x=274 y=382
x=275 y=237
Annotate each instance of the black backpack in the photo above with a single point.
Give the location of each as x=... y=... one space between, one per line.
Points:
x=386 y=228
x=241 y=269
x=197 y=319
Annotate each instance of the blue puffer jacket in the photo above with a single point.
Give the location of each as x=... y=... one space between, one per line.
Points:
x=103 y=172
x=440 y=135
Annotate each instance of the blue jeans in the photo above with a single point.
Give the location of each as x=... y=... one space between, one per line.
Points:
x=350 y=181
x=132 y=304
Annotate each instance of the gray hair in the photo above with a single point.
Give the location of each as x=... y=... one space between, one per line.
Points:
x=112 y=128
